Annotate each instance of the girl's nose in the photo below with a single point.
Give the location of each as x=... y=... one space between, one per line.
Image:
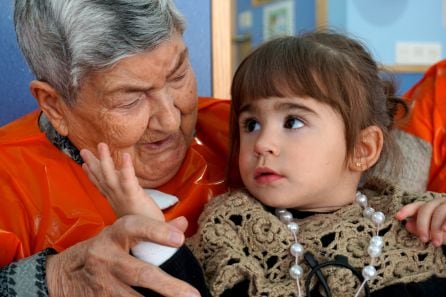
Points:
x=266 y=146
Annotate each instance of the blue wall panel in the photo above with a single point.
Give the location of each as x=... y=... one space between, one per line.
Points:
x=198 y=39
x=15 y=98
x=382 y=23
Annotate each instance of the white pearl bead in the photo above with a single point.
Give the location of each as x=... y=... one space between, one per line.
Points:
x=377 y=241
x=279 y=211
x=369 y=272
x=296 y=271
x=361 y=199
x=296 y=249
x=374 y=251
x=368 y=212
x=293 y=227
x=378 y=218
x=286 y=217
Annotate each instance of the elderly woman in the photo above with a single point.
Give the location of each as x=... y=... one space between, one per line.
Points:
x=114 y=71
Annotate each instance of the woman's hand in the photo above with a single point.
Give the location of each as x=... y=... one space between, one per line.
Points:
x=102 y=265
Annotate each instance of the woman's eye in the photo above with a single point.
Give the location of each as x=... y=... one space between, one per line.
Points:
x=293 y=123
x=130 y=104
x=179 y=77
x=251 y=125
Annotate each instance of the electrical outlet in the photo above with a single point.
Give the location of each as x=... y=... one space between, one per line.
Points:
x=417 y=53
x=245 y=20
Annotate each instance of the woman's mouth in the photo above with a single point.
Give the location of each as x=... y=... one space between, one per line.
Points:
x=160 y=144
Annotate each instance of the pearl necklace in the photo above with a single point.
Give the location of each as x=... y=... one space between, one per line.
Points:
x=374 y=249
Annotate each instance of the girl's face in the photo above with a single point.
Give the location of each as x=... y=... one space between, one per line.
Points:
x=293 y=154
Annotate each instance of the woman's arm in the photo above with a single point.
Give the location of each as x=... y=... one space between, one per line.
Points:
x=100 y=266
x=25 y=277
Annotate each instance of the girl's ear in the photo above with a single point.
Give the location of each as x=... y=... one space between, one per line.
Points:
x=368 y=149
x=51 y=103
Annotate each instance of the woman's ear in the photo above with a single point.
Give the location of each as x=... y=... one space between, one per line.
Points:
x=367 y=149
x=51 y=104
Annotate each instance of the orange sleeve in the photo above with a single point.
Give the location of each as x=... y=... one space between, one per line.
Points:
x=46 y=198
x=14 y=225
x=213 y=123
x=428 y=120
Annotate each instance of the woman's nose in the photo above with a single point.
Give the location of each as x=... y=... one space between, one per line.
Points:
x=166 y=116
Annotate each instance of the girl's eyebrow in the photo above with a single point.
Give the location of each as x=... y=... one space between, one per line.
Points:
x=284 y=106
x=279 y=105
x=247 y=107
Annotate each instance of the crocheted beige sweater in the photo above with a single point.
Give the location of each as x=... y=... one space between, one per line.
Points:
x=239 y=240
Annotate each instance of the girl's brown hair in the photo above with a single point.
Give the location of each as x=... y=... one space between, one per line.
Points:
x=329 y=67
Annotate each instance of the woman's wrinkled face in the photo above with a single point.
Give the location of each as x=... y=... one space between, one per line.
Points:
x=145 y=105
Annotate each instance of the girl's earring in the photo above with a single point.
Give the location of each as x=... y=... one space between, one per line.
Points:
x=358 y=164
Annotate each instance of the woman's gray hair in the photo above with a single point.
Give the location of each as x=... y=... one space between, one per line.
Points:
x=64 y=40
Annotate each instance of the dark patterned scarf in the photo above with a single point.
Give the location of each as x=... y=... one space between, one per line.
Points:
x=61 y=142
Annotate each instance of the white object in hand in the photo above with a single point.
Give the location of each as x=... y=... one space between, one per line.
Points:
x=150 y=252
x=161 y=199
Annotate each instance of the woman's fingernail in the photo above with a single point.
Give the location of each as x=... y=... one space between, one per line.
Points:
x=193 y=294
x=176 y=238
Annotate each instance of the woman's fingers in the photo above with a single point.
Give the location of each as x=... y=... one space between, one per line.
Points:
x=145 y=275
x=180 y=223
x=149 y=276
x=102 y=265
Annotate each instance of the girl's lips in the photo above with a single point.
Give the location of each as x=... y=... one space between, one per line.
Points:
x=266 y=175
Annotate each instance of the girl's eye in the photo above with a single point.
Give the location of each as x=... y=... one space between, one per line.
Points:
x=293 y=123
x=251 y=125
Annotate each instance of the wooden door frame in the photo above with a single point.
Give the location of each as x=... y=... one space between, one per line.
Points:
x=222 y=20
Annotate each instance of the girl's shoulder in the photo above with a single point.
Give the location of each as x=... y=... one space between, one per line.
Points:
x=386 y=195
x=240 y=217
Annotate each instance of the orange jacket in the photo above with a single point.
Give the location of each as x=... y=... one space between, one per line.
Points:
x=428 y=120
x=48 y=201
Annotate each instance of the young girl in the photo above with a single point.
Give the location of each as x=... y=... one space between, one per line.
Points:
x=310 y=117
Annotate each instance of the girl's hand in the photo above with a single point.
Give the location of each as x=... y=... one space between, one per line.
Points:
x=427 y=220
x=121 y=187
